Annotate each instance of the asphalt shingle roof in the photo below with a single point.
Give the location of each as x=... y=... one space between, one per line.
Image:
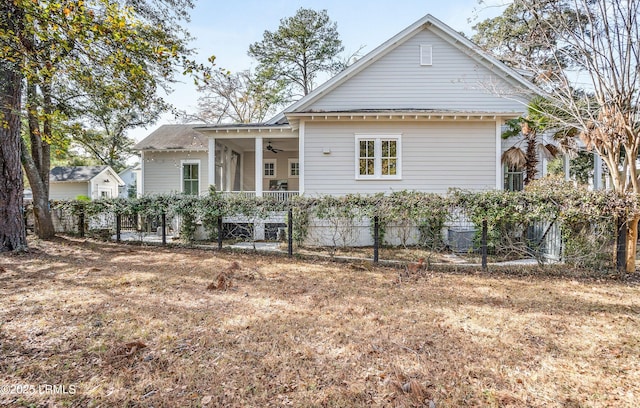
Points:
x=77 y=173
x=174 y=137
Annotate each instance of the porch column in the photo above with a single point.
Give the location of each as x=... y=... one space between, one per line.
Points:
x=211 y=165
x=140 y=189
x=227 y=170
x=259 y=166
x=301 y=157
x=499 y=177
x=597 y=171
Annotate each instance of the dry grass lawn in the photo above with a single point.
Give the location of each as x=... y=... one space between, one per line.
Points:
x=121 y=325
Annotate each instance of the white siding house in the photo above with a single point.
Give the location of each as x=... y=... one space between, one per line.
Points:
x=174 y=160
x=423 y=111
x=456 y=79
x=94 y=182
x=132 y=177
x=431 y=157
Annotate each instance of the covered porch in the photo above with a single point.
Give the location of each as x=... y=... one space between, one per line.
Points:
x=254 y=161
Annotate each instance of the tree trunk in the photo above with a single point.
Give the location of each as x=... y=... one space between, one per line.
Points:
x=531 y=155
x=12 y=231
x=41 y=210
x=36 y=167
x=632 y=239
x=632 y=230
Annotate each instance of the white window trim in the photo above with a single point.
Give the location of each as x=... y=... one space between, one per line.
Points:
x=426 y=55
x=275 y=168
x=377 y=172
x=190 y=161
x=290 y=161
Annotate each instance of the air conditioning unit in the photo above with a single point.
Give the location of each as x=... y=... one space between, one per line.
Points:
x=461 y=239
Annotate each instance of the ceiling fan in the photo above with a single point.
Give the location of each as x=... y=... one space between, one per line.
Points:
x=273 y=149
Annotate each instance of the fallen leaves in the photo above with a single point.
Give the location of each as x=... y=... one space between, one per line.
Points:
x=140 y=329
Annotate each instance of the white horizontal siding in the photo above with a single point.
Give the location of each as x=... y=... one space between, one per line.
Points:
x=436 y=156
x=68 y=190
x=161 y=171
x=249 y=172
x=107 y=183
x=455 y=81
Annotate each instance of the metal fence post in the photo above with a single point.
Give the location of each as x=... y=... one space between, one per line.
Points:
x=164 y=228
x=219 y=232
x=483 y=244
x=376 y=238
x=118 y=226
x=290 y=232
x=81 y=223
x=25 y=216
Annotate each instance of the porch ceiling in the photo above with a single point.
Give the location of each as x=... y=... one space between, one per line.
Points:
x=248 y=145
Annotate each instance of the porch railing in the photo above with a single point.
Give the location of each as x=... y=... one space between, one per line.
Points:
x=238 y=193
x=278 y=195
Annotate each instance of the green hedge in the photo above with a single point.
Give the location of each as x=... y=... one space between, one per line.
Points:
x=578 y=211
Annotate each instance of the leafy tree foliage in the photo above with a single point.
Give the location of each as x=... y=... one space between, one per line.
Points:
x=303 y=47
x=529 y=127
x=580 y=167
x=524 y=34
x=100 y=111
x=104 y=148
x=93 y=57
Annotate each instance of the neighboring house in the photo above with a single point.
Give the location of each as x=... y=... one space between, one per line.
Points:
x=27 y=196
x=132 y=177
x=423 y=111
x=68 y=183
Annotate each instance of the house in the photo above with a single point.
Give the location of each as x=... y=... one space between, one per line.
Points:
x=423 y=111
x=173 y=159
x=131 y=176
x=27 y=196
x=68 y=183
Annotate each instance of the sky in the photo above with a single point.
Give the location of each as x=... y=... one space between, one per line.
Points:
x=227 y=28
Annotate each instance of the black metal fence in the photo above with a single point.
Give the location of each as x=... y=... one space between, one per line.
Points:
x=458 y=238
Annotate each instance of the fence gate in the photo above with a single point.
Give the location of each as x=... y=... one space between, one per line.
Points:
x=545 y=239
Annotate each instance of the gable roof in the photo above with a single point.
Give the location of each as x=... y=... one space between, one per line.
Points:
x=135 y=167
x=427 y=21
x=174 y=137
x=75 y=174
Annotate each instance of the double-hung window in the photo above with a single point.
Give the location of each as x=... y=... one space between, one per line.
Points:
x=513 y=178
x=378 y=157
x=191 y=177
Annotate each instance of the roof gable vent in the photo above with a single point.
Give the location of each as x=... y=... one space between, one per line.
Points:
x=426 y=54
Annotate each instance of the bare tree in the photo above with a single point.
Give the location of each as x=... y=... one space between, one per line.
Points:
x=241 y=97
x=591 y=73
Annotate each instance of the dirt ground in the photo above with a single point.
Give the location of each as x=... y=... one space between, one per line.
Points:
x=87 y=323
